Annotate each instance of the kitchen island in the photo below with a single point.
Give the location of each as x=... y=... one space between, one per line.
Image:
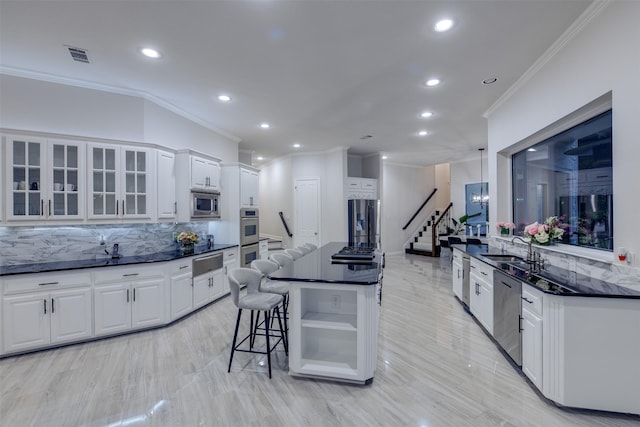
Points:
x=333 y=316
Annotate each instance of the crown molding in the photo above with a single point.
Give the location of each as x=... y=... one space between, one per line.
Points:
x=85 y=84
x=570 y=33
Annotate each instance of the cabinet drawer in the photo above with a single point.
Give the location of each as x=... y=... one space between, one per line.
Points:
x=484 y=271
x=180 y=266
x=45 y=281
x=230 y=255
x=354 y=184
x=457 y=256
x=532 y=299
x=118 y=274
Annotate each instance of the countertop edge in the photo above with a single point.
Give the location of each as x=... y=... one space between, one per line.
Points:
x=109 y=262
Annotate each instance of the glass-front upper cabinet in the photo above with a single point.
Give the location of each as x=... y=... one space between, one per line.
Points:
x=118 y=182
x=66 y=188
x=42 y=179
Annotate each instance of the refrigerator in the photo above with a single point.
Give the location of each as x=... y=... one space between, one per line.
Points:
x=364 y=223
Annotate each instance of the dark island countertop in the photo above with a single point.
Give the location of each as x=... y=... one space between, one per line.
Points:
x=107 y=261
x=317 y=267
x=580 y=285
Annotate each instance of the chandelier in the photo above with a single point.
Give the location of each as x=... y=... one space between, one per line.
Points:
x=481 y=198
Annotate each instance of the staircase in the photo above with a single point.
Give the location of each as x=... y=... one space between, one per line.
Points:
x=426 y=242
x=423 y=241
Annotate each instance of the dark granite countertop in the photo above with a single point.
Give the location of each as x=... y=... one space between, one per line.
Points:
x=580 y=285
x=316 y=266
x=107 y=261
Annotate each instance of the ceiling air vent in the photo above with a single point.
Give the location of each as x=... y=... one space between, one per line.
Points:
x=78 y=54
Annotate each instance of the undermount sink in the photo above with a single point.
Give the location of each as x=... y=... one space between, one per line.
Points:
x=504 y=258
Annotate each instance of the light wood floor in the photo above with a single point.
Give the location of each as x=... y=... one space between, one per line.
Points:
x=436 y=367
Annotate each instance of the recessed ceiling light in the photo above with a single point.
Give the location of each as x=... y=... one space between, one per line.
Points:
x=224 y=98
x=489 y=81
x=259 y=158
x=265 y=125
x=150 y=53
x=426 y=114
x=422 y=133
x=443 y=25
x=297 y=145
x=531 y=149
x=385 y=157
x=433 y=82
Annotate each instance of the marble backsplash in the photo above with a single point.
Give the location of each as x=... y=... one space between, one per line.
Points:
x=619 y=274
x=21 y=245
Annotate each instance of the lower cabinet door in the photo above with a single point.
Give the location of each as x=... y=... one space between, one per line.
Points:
x=112 y=308
x=147 y=304
x=25 y=322
x=532 y=347
x=201 y=290
x=181 y=295
x=218 y=282
x=71 y=315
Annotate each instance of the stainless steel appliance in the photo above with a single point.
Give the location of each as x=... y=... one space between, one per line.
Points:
x=363 y=222
x=249 y=236
x=466 y=282
x=205 y=205
x=249 y=226
x=205 y=264
x=353 y=255
x=249 y=253
x=507 y=314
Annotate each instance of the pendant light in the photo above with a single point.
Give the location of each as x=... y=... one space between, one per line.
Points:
x=482 y=199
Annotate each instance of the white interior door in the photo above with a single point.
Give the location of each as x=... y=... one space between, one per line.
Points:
x=307 y=212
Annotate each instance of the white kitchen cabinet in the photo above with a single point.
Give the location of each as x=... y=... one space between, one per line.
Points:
x=128 y=298
x=333 y=331
x=167 y=204
x=249 y=187
x=458 y=273
x=205 y=174
x=44 y=179
x=208 y=287
x=263 y=251
x=119 y=179
x=481 y=290
x=531 y=324
x=362 y=188
x=230 y=262
x=181 y=285
x=34 y=318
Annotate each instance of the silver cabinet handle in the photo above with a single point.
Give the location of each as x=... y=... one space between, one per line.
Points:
x=47 y=283
x=175 y=207
x=53 y=307
x=130 y=274
x=183 y=267
x=127 y=295
x=45 y=305
x=49 y=207
x=41 y=207
x=117 y=210
x=527 y=300
x=134 y=294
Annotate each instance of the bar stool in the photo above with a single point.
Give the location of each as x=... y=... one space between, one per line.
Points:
x=258 y=301
x=281 y=258
x=311 y=246
x=293 y=253
x=305 y=250
x=273 y=286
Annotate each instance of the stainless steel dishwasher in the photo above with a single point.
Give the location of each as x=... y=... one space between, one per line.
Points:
x=507 y=314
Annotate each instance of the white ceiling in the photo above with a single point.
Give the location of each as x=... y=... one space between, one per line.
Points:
x=323 y=73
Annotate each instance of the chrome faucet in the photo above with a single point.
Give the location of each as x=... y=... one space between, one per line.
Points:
x=533 y=258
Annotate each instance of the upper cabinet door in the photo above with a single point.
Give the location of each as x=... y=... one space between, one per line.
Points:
x=24 y=178
x=166 y=185
x=104 y=181
x=65 y=187
x=205 y=174
x=248 y=188
x=118 y=179
x=135 y=193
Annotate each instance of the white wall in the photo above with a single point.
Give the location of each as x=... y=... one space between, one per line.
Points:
x=404 y=188
x=600 y=58
x=34 y=105
x=443 y=184
x=276 y=195
x=463 y=173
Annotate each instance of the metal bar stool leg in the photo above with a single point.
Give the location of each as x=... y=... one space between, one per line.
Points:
x=235 y=337
x=266 y=328
x=283 y=332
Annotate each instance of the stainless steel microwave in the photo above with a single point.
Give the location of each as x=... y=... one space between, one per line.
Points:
x=205 y=205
